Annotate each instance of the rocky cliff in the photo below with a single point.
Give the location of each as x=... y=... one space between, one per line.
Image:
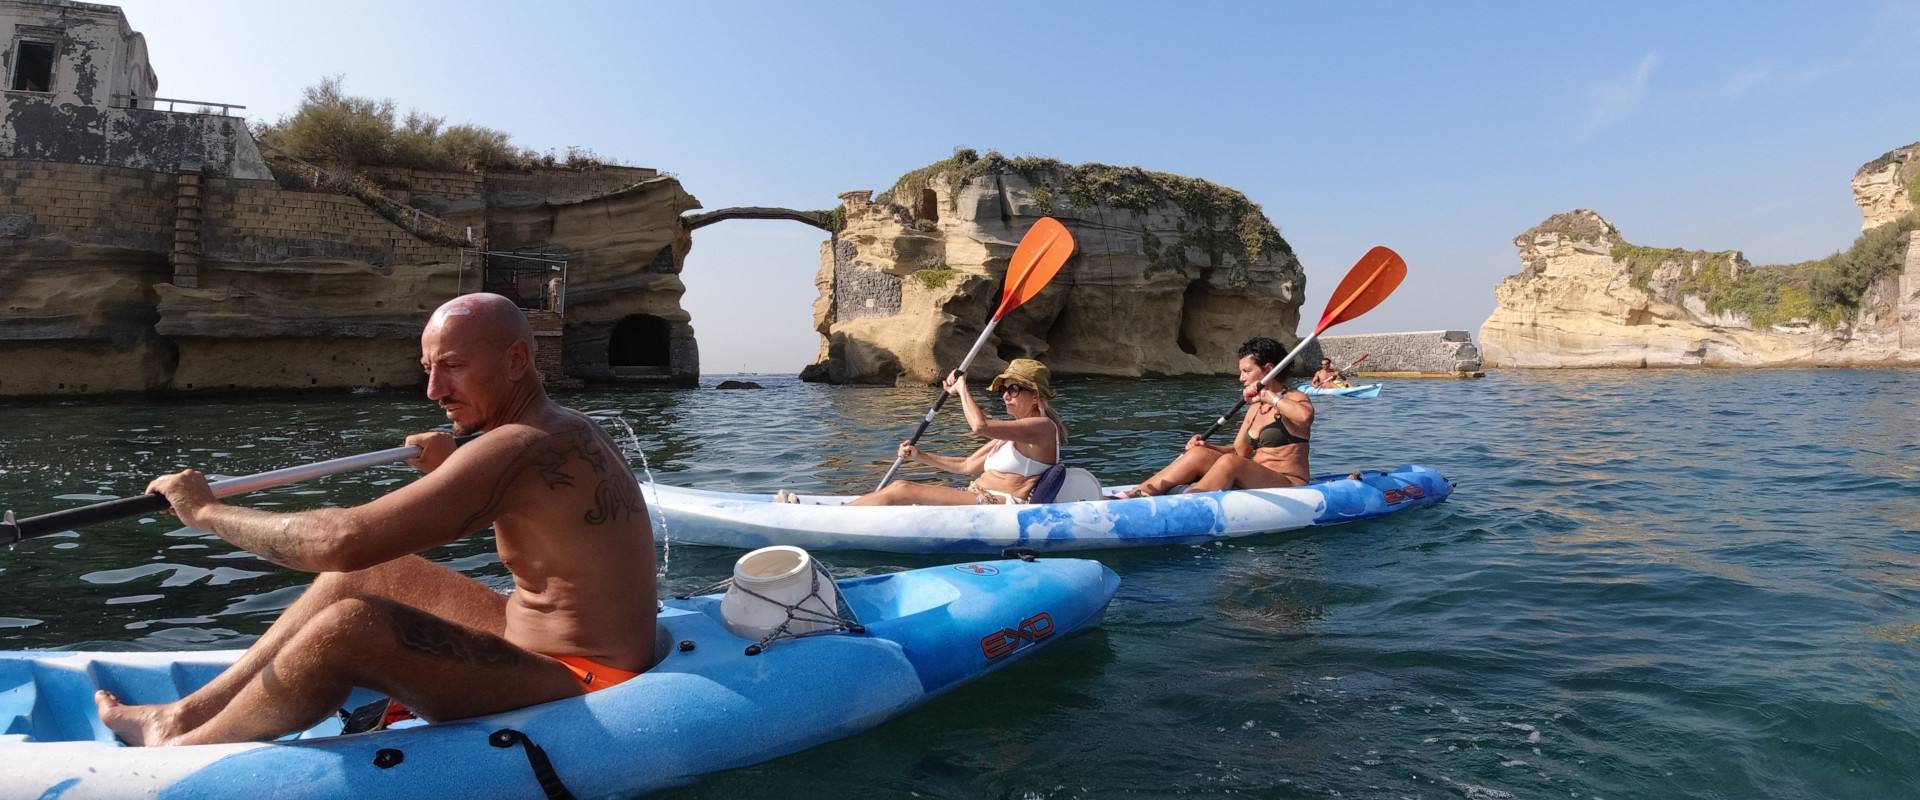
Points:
x=300 y=288
x=1887 y=186
x=1169 y=275
x=1586 y=297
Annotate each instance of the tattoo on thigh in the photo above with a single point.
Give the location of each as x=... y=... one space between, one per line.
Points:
x=432 y=636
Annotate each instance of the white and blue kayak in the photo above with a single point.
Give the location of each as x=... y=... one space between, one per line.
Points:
x=824 y=522
x=705 y=707
x=1366 y=392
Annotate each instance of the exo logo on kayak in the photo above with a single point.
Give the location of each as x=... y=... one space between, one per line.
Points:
x=1404 y=493
x=1006 y=640
x=977 y=569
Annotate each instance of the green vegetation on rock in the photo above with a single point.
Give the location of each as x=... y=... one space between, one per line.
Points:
x=1827 y=290
x=333 y=127
x=1581 y=225
x=933 y=277
x=835 y=218
x=1227 y=224
x=1909 y=172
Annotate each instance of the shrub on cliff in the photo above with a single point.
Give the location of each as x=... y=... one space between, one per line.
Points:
x=1839 y=280
x=1826 y=290
x=333 y=127
x=1230 y=225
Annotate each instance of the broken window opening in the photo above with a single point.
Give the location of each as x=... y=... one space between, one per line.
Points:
x=32 y=67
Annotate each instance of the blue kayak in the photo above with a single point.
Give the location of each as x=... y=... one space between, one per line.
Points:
x=706 y=706
x=1366 y=392
x=825 y=522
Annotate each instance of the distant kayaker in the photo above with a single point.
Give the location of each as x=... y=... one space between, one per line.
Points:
x=1009 y=465
x=1270 y=449
x=569 y=524
x=1329 y=378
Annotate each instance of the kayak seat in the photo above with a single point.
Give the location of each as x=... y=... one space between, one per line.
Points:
x=1079 y=485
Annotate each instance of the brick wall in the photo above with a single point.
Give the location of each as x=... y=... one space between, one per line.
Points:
x=548 y=355
x=861 y=291
x=434 y=192
x=1418 y=352
x=88 y=203
x=257 y=221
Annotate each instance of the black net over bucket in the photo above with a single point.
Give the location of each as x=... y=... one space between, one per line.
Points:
x=842 y=620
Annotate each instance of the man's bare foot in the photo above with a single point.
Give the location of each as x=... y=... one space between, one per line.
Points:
x=138 y=726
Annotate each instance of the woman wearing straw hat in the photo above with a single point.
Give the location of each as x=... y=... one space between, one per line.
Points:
x=1009 y=466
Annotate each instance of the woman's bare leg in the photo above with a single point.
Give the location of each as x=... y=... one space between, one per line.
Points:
x=1234 y=472
x=1189 y=467
x=908 y=493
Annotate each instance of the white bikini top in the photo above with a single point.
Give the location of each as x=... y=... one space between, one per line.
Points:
x=1007 y=458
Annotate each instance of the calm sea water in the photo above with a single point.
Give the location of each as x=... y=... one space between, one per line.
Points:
x=1648 y=584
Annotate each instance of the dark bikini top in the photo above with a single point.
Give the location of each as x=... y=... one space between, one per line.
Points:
x=1275 y=435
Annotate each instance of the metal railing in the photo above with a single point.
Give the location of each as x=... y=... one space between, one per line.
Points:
x=170 y=101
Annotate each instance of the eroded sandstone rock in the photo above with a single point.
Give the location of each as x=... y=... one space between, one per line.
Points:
x=1885 y=187
x=1169 y=274
x=304 y=289
x=1587 y=298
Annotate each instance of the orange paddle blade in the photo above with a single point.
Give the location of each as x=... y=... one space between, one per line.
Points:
x=1372 y=278
x=1039 y=257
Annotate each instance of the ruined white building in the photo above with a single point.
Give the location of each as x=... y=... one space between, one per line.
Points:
x=72 y=53
x=79 y=90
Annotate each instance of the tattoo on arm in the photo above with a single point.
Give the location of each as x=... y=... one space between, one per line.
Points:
x=289 y=540
x=616 y=495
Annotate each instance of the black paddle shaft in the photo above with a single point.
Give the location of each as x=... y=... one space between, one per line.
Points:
x=12 y=530
x=927 y=420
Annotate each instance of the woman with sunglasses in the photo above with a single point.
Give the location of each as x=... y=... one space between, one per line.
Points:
x=1009 y=465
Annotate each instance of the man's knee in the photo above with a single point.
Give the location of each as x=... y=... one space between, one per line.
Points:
x=361 y=581
x=356 y=615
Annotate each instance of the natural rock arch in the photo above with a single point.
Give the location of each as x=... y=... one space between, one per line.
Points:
x=819 y=219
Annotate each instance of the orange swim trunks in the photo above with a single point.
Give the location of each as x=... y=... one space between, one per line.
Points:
x=593 y=675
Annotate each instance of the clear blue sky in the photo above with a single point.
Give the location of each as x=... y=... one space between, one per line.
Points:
x=1439 y=129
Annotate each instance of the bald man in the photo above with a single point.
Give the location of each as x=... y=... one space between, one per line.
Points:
x=568 y=522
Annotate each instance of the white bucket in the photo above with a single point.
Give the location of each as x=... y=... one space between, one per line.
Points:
x=785 y=575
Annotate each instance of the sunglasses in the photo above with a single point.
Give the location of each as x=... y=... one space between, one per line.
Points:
x=1013 y=388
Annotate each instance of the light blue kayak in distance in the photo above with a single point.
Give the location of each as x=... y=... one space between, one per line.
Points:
x=1366 y=392
x=824 y=522
x=705 y=707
